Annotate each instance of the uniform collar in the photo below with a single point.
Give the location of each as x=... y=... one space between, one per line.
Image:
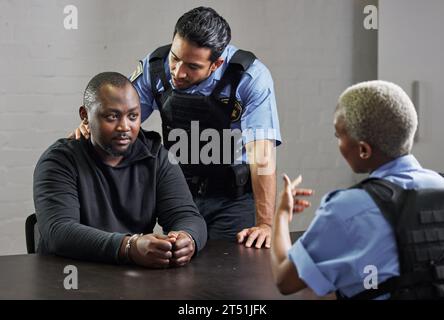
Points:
x=402 y=164
x=226 y=55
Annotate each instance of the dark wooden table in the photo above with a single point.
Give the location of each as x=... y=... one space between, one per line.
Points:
x=223 y=270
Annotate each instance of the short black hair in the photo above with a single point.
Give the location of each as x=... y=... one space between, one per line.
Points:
x=206 y=28
x=113 y=78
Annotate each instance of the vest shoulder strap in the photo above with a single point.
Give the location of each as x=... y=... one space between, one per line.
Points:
x=238 y=64
x=160 y=53
x=243 y=58
x=157 y=71
x=388 y=196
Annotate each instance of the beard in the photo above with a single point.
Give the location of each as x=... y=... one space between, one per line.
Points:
x=109 y=147
x=118 y=153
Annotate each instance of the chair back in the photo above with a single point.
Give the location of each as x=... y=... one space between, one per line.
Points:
x=32 y=233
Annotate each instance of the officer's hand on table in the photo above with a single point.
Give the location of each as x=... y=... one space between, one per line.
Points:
x=82 y=130
x=152 y=251
x=261 y=234
x=288 y=203
x=183 y=248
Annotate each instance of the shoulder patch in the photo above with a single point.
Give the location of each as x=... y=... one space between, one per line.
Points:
x=137 y=73
x=237 y=110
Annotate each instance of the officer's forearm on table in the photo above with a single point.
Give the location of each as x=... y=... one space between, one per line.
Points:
x=261 y=155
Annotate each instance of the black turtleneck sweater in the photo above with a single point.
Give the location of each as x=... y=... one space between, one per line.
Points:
x=85 y=208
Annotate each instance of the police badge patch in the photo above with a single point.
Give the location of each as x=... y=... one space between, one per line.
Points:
x=237 y=110
x=138 y=72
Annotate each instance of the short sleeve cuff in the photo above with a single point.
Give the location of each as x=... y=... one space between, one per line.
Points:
x=308 y=270
x=250 y=135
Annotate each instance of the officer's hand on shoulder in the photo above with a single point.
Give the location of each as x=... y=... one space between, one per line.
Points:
x=82 y=130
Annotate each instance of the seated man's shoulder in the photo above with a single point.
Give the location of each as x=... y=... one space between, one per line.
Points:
x=153 y=142
x=62 y=148
x=151 y=136
x=62 y=154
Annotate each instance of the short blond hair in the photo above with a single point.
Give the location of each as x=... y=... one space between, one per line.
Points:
x=381 y=114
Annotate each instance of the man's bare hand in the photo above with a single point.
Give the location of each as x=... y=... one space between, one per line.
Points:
x=152 y=251
x=183 y=248
x=260 y=235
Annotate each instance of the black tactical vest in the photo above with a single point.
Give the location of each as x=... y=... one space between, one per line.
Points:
x=417 y=218
x=178 y=110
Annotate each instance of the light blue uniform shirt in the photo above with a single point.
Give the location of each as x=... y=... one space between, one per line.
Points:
x=349 y=232
x=255 y=92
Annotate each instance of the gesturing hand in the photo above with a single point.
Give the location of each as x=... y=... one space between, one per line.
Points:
x=288 y=202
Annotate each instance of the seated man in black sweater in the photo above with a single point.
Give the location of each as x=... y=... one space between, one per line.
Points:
x=99 y=199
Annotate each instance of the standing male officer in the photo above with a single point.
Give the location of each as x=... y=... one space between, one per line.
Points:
x=199 y=81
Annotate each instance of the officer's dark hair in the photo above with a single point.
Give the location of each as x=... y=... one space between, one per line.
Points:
x=113 y=78
x=206 y=28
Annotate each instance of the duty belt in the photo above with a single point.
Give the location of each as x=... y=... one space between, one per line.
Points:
x=235 y=183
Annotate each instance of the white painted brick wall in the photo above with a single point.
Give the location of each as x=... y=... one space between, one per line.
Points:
x=411 y=50
x=314 y=49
